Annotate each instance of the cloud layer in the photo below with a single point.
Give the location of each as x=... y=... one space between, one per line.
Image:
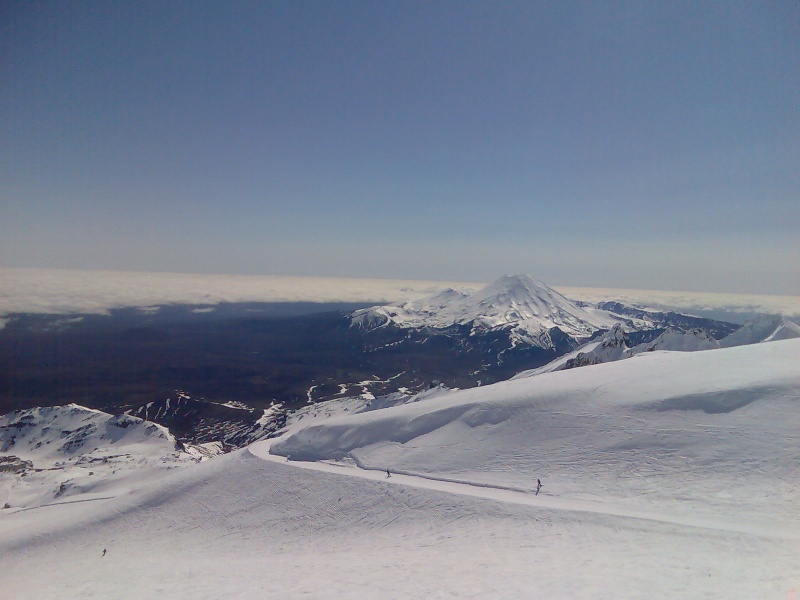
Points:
x=73 y=291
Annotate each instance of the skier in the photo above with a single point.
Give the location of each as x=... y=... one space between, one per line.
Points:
x=104 y=551
x=388 y=474
x=538 y=486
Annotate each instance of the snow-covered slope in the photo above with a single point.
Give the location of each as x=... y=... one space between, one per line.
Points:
x=533 y=416
x=71 y=450
x=682 y=463
x=53 y=434
x=765 y=329
x=521 y=301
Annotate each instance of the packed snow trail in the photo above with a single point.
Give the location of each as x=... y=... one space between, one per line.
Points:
x=765 y=528
x=241 y=527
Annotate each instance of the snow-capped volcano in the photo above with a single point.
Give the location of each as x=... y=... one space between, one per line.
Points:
x=524 y=300
x=519 y=301
x=518 y=323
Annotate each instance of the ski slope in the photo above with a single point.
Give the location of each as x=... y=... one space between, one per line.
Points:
x=667 y=475
x=628 y=429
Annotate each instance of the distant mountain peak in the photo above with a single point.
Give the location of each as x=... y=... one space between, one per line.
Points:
x=519 y=301
x=518 y=280
x=531 y=303
x=514 y=286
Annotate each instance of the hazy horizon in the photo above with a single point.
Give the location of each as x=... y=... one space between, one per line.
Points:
x=63 y=291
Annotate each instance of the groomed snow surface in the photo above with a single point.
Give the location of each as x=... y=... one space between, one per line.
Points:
x=667 y=475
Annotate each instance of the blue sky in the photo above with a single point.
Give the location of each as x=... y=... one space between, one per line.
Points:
x=621 y=144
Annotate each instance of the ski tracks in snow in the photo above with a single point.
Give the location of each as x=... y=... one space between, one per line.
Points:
x=521 y=496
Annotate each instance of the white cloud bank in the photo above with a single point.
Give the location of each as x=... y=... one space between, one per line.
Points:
x=70 y=291
x=75 y=291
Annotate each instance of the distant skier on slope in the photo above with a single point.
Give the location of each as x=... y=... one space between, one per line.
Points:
x=538 y=486
x=388 y=474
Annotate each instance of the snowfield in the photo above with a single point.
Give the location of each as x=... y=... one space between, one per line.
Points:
x=645 y=430
x=665 y=475
x=73 y=452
